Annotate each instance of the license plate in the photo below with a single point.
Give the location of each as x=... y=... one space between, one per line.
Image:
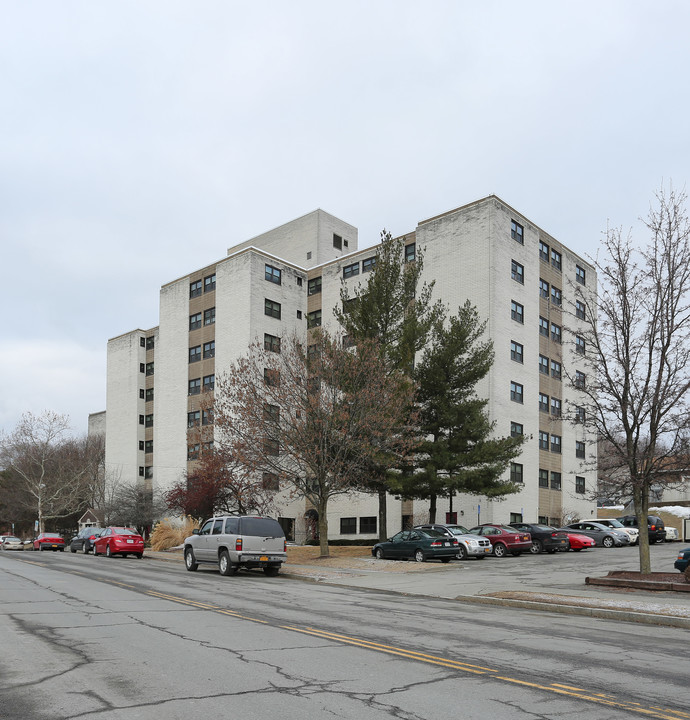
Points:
x=130 y=541
x=263 y=558
x=487 y=550
x=447 y=544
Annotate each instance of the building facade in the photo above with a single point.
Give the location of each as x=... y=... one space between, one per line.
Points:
x=522 y=281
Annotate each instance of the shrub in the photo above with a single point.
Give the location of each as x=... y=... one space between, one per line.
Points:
x=171 y=533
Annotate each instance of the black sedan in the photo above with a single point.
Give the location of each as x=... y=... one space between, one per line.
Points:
x=83 y=540
x=421 y=545
x=544 y=537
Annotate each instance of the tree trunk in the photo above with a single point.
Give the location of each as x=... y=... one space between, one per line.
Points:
x=641 y=502
x=323 y=527
x=383 y=515
x=432 y=508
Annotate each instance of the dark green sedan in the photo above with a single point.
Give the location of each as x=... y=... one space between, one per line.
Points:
x=420 y=545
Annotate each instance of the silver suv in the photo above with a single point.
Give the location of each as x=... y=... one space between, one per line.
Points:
x=235 y=541
x=468 y=545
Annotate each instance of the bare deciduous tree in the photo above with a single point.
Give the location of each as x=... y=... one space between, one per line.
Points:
x=636 y=335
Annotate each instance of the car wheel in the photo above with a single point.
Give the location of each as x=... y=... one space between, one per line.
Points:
x=418 y=556
x=271 y=570
x=500 y=550
x=107 y=551
x=462 y=552
x=73 y=550
x=608 y=542
x=95 y=552
x=576 y=549
x=537 y=547
x=379 y=554
x=85 y=549
x=189 y=561
x=224 y=564
x=138 y=556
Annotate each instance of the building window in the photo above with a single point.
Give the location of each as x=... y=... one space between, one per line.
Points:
x=149 y=368
x=299 y=314
x=579 y=450
x=194 y=386
x=150 y=343
x=141 y=471
x=555 y=407
x=314 y=319
x=410 y=252
x=579 y=309
x=149 y=395
x=367 y=525
x=337 y=242
x=271 y=377
x=351 y=270
x=271 y=343
x=543 y=478
x=555 y=480
x=580 y=275
x=516 y=392
x=195 y=321
x=141 y=419
x=271 y=412
x=210 y=283
x=555 y=369
x=517 y=272
x=269 y=481
x=516 y=473
x=368 y=264
x=556 y=296
x=271 y=446
x=195 y=353
x=272 y=274
x=193 y=418
x=209 y=316
x=516 y=429
x=579 y=414
x=543 y=440
x=141 y=445
x=272 y=309
x=556 y=444
x=209 y=382
x=543 y=365
x=517 y=311
x=579 y=485
x=207 y=417
x=579 y=345
x=314 y=286
x=556 y=259
x=517 y=232
x=543 y=326
x=543 y=403
x=543 y=289
x=142 y=367
x=210 y=349
x=148 y=421
x=193 y=452
x=556 y=334
x=142 y=342
x=516 y=351
x=580 y=380
x=195 y=289
x=299 y=281
x=348 y=526
x=543 y=251
x=141 y=394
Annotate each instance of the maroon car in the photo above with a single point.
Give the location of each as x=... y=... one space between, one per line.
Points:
x=504 y=539
x=49 y=541
x=119 y=541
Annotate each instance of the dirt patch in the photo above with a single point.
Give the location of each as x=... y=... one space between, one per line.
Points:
x=310 y=554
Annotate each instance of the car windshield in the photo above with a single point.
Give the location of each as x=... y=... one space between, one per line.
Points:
x=612 y=523
x=543 y=528
x=458 y=529
x=261 y=527
x=11 y=539
x=431 y=533
x=50 y=536
x=124 y=531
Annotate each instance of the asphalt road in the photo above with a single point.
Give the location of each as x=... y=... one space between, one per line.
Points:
x=85 y=637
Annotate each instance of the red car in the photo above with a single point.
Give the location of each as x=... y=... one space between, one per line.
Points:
x=580 y=542
x=504 y=539
x=49 y=541
x=119 y=541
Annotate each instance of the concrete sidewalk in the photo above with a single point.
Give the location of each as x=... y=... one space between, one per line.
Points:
x=545 y=583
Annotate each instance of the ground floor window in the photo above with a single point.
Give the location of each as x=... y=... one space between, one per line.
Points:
x=348 y=526
x=367 y=524
x=288 y=525
x=515 y=517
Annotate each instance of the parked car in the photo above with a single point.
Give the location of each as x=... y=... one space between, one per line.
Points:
x=672 y=534
x=119 y=541
x=49 y=541
x=9 y=542
x=579 y=542
x=504 y=539
x=84 y=539
x=633 y=532
x=603 y=536
x=235 y=541
x=683 y=560
x=655 y=527
x=421 y=545
x=544 y=537
x=468 y=545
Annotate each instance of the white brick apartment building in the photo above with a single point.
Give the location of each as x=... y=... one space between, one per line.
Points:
x=520 y=279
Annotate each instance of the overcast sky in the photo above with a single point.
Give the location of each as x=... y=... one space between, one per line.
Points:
x=140 y=139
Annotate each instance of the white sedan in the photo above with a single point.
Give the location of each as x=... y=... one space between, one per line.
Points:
x=633 y=532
